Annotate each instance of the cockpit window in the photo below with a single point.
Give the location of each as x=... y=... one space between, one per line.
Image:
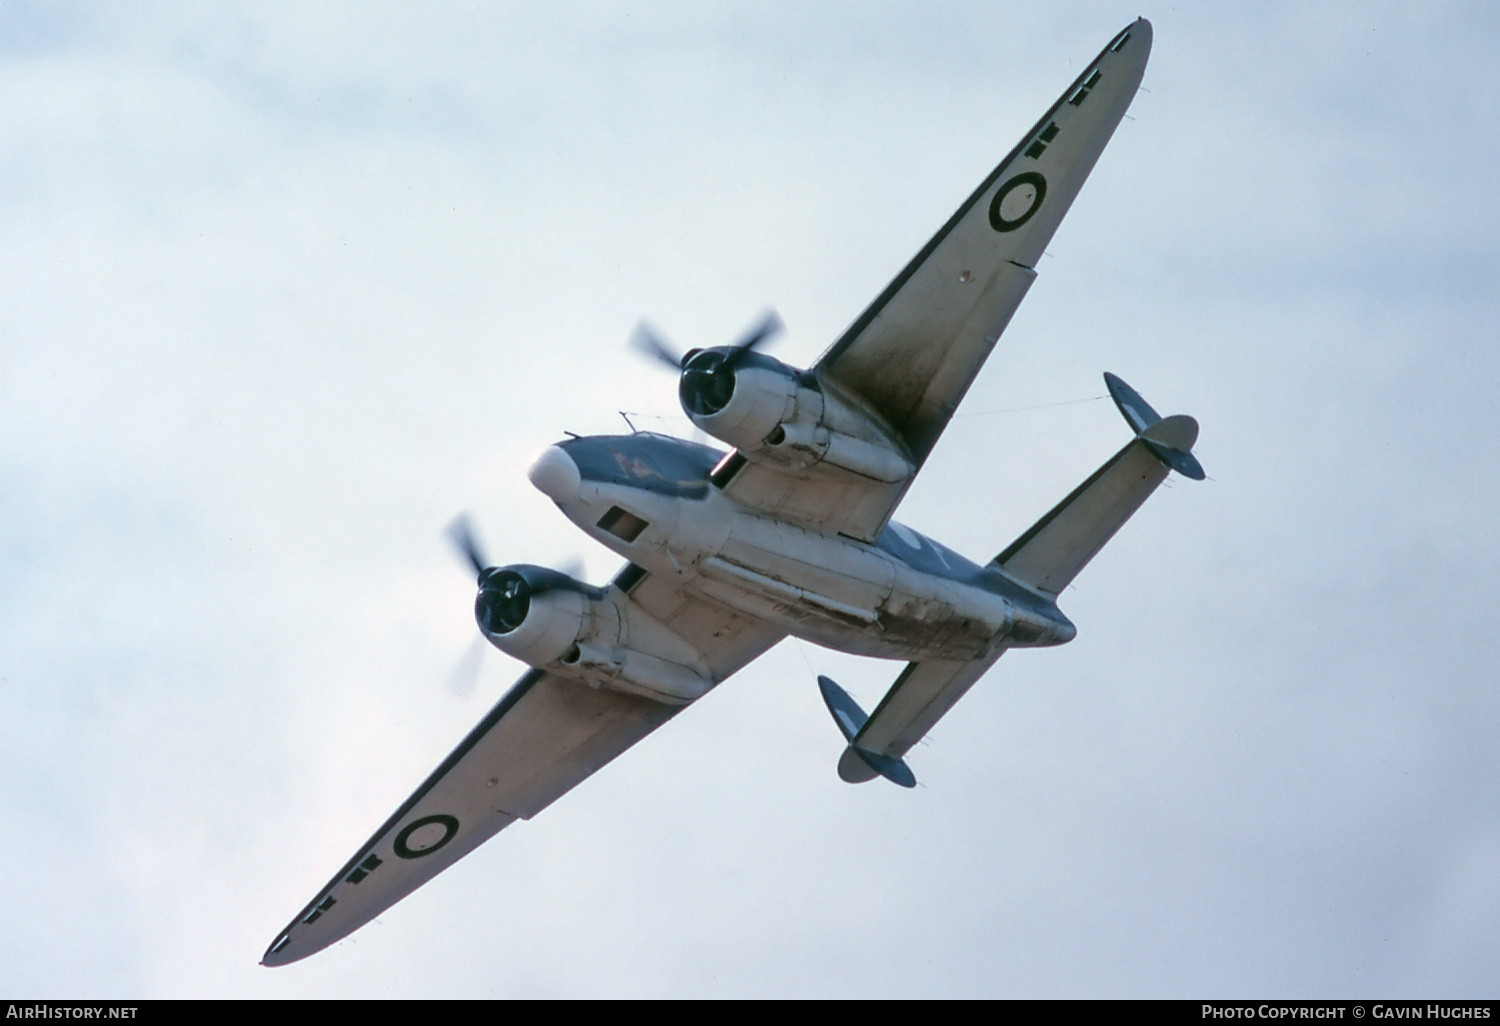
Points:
x=652 y=463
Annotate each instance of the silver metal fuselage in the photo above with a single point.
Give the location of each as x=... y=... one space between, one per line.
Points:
x=650 y=499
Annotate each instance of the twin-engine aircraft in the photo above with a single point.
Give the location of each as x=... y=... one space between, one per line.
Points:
x=789 y=532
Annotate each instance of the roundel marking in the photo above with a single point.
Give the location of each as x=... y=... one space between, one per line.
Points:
x=1016 y=201
x=425 y=836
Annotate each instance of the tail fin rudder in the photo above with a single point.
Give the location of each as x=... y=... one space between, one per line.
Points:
x=858 y=764
x=1171 y=438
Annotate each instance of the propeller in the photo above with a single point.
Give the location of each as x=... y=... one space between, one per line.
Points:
x=646 y=341
x=650 y=343
x=504 y=597
x=465 y=675
x=768 y=328
x=461 y=534
x=503 y=602
x=707 y=382
x=505 y=592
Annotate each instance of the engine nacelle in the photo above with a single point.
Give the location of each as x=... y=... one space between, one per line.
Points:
x=773 y=413
x=595 y=636
x=738 y=400
x=533 y=613
x=810 y=444
x=638 y=673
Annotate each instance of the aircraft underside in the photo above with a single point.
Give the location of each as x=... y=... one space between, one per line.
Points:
x=788 y=533
x=908 y=598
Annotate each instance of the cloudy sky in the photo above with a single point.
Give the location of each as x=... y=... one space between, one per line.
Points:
x=287 y=286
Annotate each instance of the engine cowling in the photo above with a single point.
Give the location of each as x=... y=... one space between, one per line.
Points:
x=533 y=613
x=773 y=413
x=600 y=638
x=738 y=397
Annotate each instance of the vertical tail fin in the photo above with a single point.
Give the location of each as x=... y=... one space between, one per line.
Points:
x=858 y=764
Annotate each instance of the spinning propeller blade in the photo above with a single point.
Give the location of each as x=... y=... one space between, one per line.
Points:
x=647 y=342
x=465 y=675
x=768 y=328
x=461 y=534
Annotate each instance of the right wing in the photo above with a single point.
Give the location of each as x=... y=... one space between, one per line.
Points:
x=540 y=741
x=545 y=737
x=913 y=353
x=727 y=638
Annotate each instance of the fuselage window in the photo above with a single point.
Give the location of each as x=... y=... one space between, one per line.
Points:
x=625 y=526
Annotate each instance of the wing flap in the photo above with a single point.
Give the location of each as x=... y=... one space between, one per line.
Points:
x=917 y=357
x=857 y=507
x=728 y=639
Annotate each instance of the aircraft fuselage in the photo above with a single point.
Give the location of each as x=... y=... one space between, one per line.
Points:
x=650 y=498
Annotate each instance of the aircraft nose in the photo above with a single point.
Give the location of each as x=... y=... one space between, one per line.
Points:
x=555 y=474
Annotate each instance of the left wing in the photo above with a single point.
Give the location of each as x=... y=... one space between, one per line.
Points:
x=540 y=741
x=545 y=737
x=915 y=351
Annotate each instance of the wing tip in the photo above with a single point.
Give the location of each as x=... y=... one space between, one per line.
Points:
x=283 y=952
x=1134 y=40
x=1138 y=31
x=273 y=956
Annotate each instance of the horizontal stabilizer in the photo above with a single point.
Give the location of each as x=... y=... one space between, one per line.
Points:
x=1048 y=557
x=920 y=697
x=1172 y=442
x=857 y=765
